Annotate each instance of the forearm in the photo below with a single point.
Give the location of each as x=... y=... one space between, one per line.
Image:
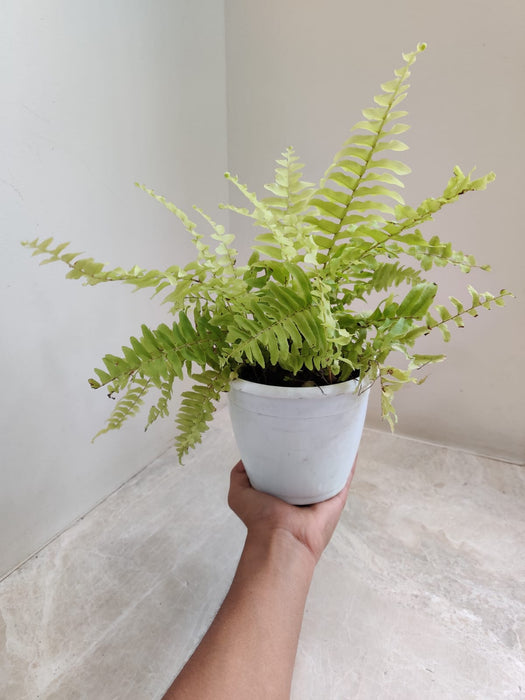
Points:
x=249 y=651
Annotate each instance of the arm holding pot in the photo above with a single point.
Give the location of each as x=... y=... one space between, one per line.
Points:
x=250 y=648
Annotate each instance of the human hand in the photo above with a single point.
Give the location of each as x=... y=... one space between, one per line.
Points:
x=264 y=515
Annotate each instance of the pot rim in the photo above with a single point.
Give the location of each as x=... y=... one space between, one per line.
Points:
x=294 y=392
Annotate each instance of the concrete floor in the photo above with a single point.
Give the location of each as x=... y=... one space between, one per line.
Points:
x=420 y=595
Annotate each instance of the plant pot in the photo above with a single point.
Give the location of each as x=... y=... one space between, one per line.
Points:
x=298 y=443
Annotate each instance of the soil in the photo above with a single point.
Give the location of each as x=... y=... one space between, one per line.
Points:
x=275 y=376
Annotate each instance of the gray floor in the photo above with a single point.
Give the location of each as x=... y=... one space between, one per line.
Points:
x=420 y=594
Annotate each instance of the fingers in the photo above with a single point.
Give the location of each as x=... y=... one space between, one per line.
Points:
x=238 y=476
x=239 y=467
x=238 y=483
x=346 y=487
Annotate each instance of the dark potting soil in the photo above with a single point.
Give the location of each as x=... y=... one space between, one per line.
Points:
x=275 y=376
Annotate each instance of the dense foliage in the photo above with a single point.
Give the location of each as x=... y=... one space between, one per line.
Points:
x=295 y=310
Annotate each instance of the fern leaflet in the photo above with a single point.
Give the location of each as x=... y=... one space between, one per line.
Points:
x=128 y=406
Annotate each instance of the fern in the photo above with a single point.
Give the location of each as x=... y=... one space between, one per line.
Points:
x=128 y=406
x=479 y=301
x=291 y=196
x=162 y=352
x=288 y=234
x=392 y=379
x=282 y=322
x=294 y=312
x=161 y=408
x=197 y=408
x=93 y=272
x=290 y=193
x=352 y=192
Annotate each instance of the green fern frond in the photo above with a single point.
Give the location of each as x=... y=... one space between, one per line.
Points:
x=223 y=262
x=205 y=259
x=128 y=406
x=439 y=254
x=262 y=213
x=289 y=236
x=161 y=408
x=162 y=352
x=355 y=163
x=387 y=275
x=188 y=224
x=409 y=218
x=253 y=343
x=400 y=235
x=290 y=192
x=92 y=272
x=392 y=380
x=479 y=300
x=286 y=324
x=198 y=406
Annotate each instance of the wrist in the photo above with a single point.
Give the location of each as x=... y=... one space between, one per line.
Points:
x=281 y=547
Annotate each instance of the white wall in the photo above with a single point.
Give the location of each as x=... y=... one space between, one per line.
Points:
x=95 y=95
x=299 y=72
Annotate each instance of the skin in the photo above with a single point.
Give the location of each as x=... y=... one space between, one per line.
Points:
x=250 y=648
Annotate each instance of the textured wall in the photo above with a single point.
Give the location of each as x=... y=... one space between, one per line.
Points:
x=94 y=97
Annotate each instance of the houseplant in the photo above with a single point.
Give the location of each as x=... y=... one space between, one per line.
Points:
x=293 y=314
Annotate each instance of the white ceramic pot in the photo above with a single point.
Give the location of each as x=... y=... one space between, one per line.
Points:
x=298 y=443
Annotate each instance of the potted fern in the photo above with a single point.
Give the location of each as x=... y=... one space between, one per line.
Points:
x=291 y=321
